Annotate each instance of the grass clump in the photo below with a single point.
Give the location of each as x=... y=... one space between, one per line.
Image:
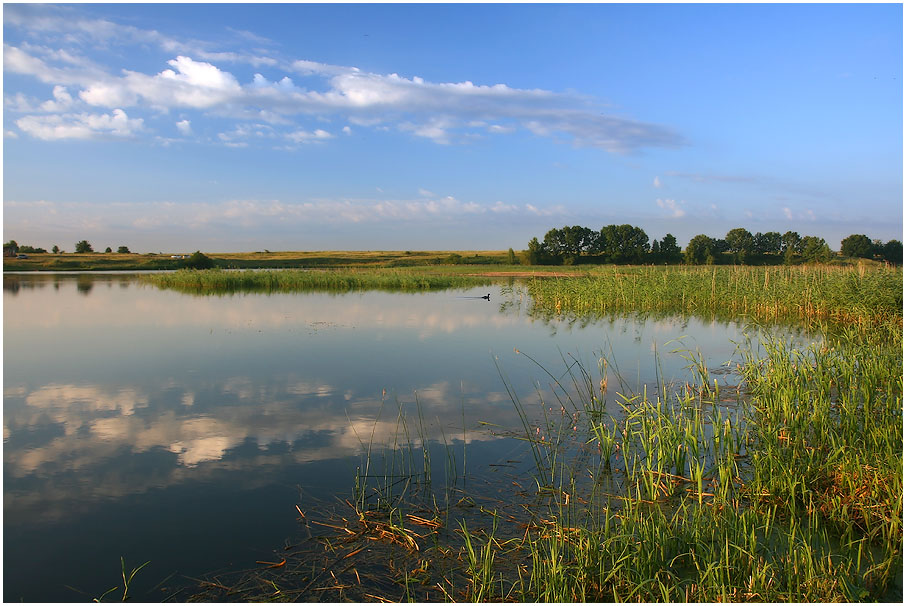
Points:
x=271 y=281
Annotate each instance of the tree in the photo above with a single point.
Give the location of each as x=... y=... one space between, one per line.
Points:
x=568 y=243
x=768 y=243
x=510 y=256
x=83 y=246
x=893 y=252
x=741 y=243
x=108 y=250
x=123 y=250
x=670 y=250
x=790 y=240
x=11 y=245
x=856 y=245
x=699 y=249
x=815 y=249
x=55 y=249
x=623 y=243
x=535 y=255
x=198 y=260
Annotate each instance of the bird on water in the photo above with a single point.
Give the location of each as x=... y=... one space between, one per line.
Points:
x=487 y=296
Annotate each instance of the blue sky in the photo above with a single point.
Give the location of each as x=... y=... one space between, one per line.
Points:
x=240 y=127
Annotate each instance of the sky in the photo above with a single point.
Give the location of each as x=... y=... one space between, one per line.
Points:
x=245 y=127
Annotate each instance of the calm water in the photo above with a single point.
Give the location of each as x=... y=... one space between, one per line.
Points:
x=184 y=430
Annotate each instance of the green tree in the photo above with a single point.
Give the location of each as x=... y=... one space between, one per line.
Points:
x=83 y=246
x=791 y=240
x=199 y=260
x=815 y=249
x=699 y=249
x=741 y=243
x=670 y=250
x=535 y=255
x=11 y=245
x=569 y=243
x=511 y=257
x=123 y=250
x=623 y=243
x=769 y=243
x=856 y=245
x=893 y=252
x=55 y=249
x=108 y=250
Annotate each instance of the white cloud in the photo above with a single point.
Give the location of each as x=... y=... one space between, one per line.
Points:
x=787 y=213
x=301 y=136
x=80 y=126
x=657 y=182
x=500 y=129
x=442 y=112
x=193 y=84
x=185 y=127
x=672 y=206
x=61 y=101
x=259 y=214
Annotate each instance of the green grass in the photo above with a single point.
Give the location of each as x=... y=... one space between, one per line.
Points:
x=223 y=282
x=807 y=294
x=782 y=484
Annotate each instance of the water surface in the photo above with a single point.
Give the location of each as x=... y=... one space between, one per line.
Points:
x=183 y=430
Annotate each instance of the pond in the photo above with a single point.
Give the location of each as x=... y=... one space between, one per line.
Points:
x=184 y=430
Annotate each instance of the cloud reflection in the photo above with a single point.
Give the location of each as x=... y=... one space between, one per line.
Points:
x=91 y=430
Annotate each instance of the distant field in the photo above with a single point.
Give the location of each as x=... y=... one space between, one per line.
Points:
x=249 y=260
x=485 y=262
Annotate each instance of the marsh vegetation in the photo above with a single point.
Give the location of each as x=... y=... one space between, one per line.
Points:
x=776 y=479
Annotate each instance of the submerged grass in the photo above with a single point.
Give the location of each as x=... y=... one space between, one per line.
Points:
x=783 y=484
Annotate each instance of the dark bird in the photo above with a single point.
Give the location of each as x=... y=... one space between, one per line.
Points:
x=487 y=296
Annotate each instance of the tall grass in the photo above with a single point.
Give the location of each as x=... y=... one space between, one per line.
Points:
x=869 y=298
x=216 y=281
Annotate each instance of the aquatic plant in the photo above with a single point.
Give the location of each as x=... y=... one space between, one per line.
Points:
x=809 y=294
x=271 y=281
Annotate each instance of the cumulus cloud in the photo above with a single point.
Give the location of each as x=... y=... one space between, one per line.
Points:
x=61 y=101
x=80 y=126
x=301 y=136
x=197 y=79
x=185 y=127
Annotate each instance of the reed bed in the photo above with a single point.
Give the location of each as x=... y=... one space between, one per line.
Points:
x=216 y=281
x=860 y=295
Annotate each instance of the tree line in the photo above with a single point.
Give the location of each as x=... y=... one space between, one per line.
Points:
x=629 y=244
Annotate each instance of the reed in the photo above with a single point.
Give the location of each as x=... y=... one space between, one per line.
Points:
x=207 y=282
x=809 y=294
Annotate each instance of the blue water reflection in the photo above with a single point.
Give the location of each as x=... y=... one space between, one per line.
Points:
x=183 y=430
